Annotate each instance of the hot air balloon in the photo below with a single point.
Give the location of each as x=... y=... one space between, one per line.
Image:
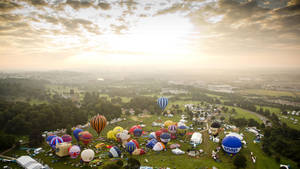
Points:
x=98 y=123
x=152 y=135
x=136 y=143
x=133 y=128
x=130 y=147
x=162 y=102
x=124 y=136
x=165 y=137
x=55 y=140
x=157 y=134
x=231 y=144
x=76 y=132
x=138 y=151
x=118 y=129
x=137 y=132
x=159 y=146
x=74 y=151
x=49 y=138
x=114 y=152
x=151 y=143
x=111 y=135
x=87 y=155
x=181 y=130
x=168 y=123
x=67 y=138
x=85 y=137
x=172 y=129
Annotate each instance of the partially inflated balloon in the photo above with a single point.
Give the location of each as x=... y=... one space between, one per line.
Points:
x=111 y=135
x=172 y=129
x=49 y=138
x=114 y=152
x=87 y=155
x=67 y=138
x=137 y=132
x=136 y=143
x=162 y=102
x=165 y=137
x=130 y=147
x=118 y=129
x=56 y=140
x=85 y=137
x=133 y=128
x=151 y=143
x=74 y=151
x=76 y=132
x=159 y=146
x=98 y=123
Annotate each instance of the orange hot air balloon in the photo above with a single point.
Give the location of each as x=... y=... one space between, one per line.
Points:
x=98 y=123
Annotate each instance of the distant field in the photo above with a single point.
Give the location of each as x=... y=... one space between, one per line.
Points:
x=273 y=93
x=241 y=113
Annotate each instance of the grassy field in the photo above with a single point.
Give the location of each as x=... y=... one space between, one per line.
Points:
x=273 y=93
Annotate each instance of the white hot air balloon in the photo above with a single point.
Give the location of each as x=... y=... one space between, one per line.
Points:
x=159 y=146
x=87 y=155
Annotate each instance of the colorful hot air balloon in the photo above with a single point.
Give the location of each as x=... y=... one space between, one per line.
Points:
x=133 y=128
x=114 y=152
x=67 y=138
x=181 y=130
x=118 y=129
x=152 y=135
x=76 y=132
x=98 y=123
x=87 y=155
x=56 y=140
x=168 y=123
x=157 y=134
x=85 y=137
x=138 y=151
x=162 y=102
x=136 y=143
x=159 y=146
x=165 y=137
x=74 y=151
x=172 y=129
x=137 y=132
x=231 y=144
x=151 y=143
x=49 y=138
x=130 y=147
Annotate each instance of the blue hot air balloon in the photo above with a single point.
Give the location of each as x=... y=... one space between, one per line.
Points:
x=165 y=137
x=231 y=144
x=151 y=143
x=114 y=152
x=137 y=132
x=162 y=102
x=130 y=147
x=76 y=133
x=49 y=138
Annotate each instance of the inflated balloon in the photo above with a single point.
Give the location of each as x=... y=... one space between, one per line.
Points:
x=56 y=140
x=165 y=137
x=85 y=137
x=162 y=102
x=138 y=152
x=74 y=151
x=130 y=147
x=111 y=135
x=49 y=138
x=137 y=132
x=172 y=129
x=152 y=135
x=136 y=143
x=118 y=129
x=159 y=146
x=231 y=144
x=168 y=123
x=151 y=143
x=98 y=123
x=181 y=130
x=157 y=134
x=76 y=132
x=123 y=136
x=114 y=152
x=67 y=138
x=133 y=128
x=87 y=155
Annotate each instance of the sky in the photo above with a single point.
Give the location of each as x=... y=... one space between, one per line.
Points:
x=169 y=34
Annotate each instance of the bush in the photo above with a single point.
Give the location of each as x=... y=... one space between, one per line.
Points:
x=240 y=161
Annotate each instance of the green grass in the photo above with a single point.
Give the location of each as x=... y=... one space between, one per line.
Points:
x=241 y=113
x=262 y=92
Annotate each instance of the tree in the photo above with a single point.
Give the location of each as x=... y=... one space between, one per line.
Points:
x=132 y=163
x=222 y=118
x=240 y=161
x=112 y=166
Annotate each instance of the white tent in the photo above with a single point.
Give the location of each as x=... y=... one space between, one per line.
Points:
x=29 y=163
x=196 y=138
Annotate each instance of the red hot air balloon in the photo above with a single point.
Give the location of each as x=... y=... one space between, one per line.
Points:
x=85 y=137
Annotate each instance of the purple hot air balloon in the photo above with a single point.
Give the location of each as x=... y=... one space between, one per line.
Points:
x=67 y=138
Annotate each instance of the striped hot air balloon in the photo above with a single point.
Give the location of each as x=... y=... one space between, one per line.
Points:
x=172 y=129
x=162 y=102
x=49 y=138
x=98 y=123
x=55 y=141
x=67 y=138
x=85 y=137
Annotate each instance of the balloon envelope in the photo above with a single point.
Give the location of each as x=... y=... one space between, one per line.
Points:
x=111 y=135
x=67 y=138
x=98 y=123
x=87 y=155
x=162 y=102
x=165 y=137
x=49 y=138
x=231 y=144
x=136 y=143
x=159 y=146
x=74 y=151
x=76 y=132
x=172 y=129
x=137 y=132
x=130 y=147
x=118 y=129
x=114 y=152
x=55 y=141
x=85 y=137
x=133 y=128
x=151 y=143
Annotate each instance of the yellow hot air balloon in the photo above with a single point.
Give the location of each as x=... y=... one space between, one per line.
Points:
x=118 y=129
x=111 y=135
x=98 y=123
x=168 y=123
